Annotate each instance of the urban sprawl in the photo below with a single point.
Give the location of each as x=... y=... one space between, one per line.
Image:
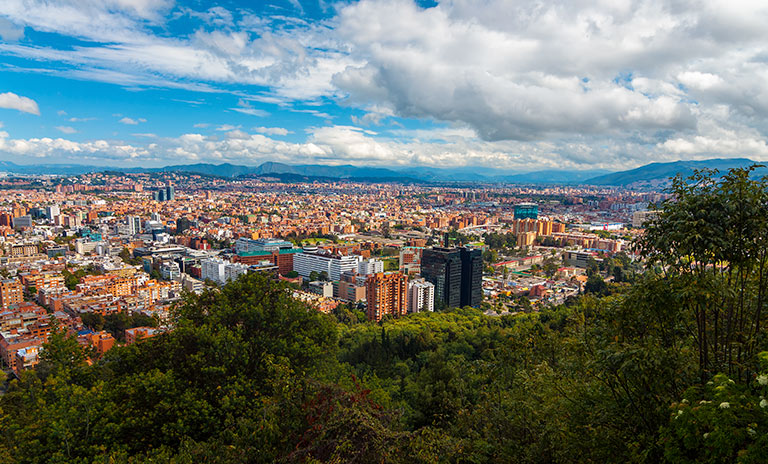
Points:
x=105 y=256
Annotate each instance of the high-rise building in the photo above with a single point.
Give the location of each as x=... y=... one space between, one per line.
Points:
x=442 y=267
x=6 y=220
x=421 y=296
x=134 y=225
x=526 y=211
x=164 y=194
x=386 y=294
x=182 y=224
x=11 y=292
x=471 y=277
x=456 y=273
x=52 y=211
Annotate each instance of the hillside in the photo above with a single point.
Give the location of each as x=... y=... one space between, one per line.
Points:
x=655 y=174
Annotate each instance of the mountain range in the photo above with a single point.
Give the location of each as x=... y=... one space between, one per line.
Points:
x=650 y=175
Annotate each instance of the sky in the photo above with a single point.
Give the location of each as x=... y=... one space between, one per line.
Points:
x=502 y=84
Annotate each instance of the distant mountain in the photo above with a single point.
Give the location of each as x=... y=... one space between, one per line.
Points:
x=653 y=174
x=656 y=174
x=552 y=177
x=55 y=169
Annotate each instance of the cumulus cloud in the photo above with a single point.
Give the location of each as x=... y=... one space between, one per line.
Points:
x=12 y=101
x=557 y=82
x=9 y=31
x=335 y=145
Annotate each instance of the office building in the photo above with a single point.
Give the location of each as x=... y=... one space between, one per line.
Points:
x=22 y=222
x=471 y=277
x=221 y=271
x=442 y=267
x=456 y=273
x=213 y=269
x=52 y=211
x=164 y=194
x=247 y=245
x=183 y=224
x=333 y=265
x=386 y=294
x=134 y=225
x=526 y=211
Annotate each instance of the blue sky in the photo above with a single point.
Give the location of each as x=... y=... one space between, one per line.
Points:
x=484 y=83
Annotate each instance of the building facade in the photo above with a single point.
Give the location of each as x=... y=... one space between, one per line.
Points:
x=421 y=296
x=333 y=265
x=442 y=267
x=386 y=294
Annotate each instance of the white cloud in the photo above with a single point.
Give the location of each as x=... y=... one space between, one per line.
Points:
x=271 y=130
x=12 y=101
x=334 y=145
x=556 y=82
x=251 y=111
x=131 y=121
x=66 y=129
x=227 y=127
x=9 y=31
x=201 y=125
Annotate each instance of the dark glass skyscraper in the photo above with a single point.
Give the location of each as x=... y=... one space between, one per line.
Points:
x=164 y=194
x=442 y=267
x=457 y=274
x=471 y=277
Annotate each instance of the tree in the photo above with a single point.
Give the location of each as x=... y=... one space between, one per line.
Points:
x=595 y=284
x=711 y=240
x=61 y=351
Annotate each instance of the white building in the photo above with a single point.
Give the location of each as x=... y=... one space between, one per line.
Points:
x=220 y=271
x=234 y=270
x=213 y=269
x=370 y=266
x=170 y=270
x=321 y=288
x=84 y=245
x=421 y=296
x=52 y=211
x=134 y=225
x=193 y=285
x=333 y=265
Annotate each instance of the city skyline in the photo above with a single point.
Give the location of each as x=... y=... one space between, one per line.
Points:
x=382 y=83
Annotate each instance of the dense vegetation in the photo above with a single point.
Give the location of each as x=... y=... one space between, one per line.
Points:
x=671 y=369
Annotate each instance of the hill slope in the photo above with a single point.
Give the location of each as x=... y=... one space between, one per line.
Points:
x=659 y=173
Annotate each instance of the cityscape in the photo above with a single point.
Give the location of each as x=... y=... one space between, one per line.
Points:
x=96 y=245
x=383 y=231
